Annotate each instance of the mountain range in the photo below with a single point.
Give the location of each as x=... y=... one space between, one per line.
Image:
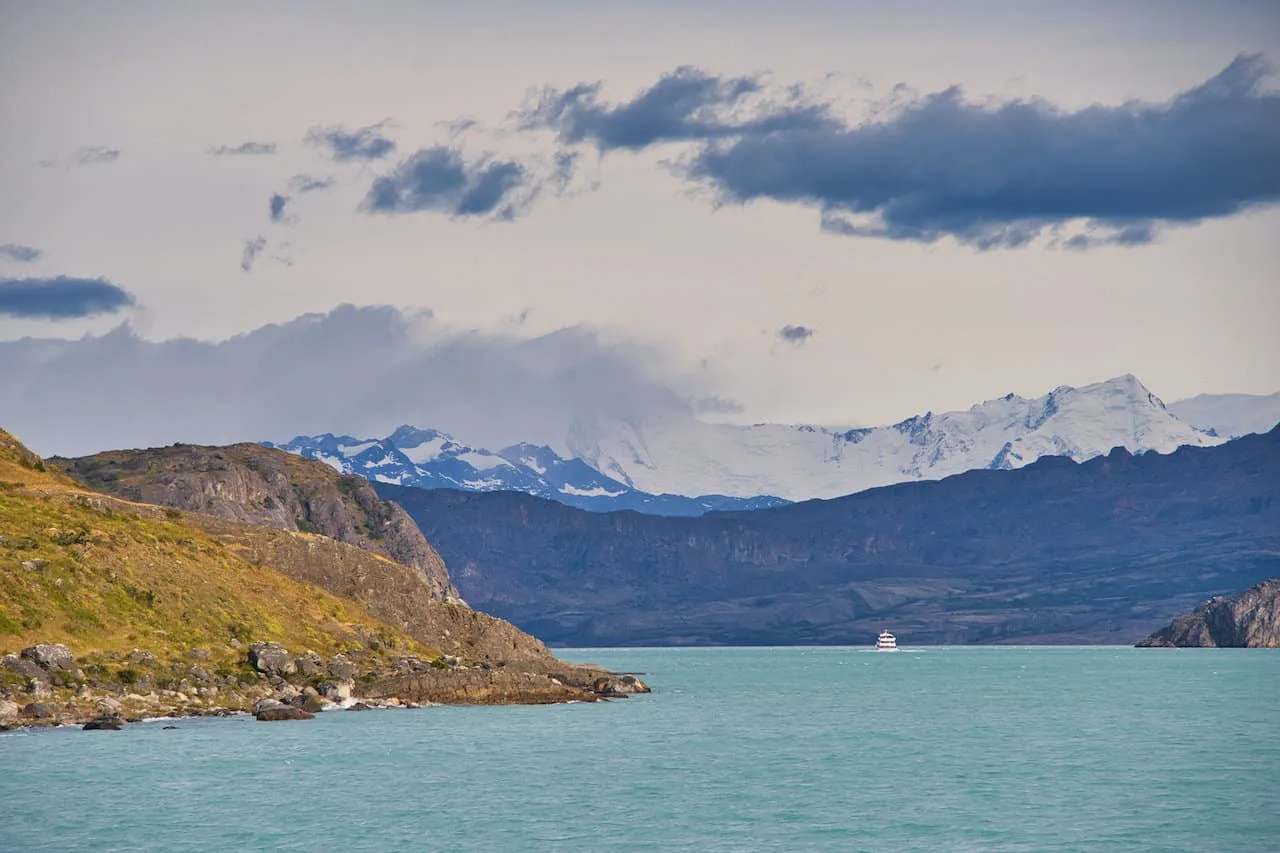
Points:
x=430 y=459
x=1058 y=551
x=675 y=465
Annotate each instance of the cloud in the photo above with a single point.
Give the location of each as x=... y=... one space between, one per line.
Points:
x=308 y=184
x=365 y=143
x=488 y=389
x=61 y=298
x=252 y=248
x=1000 y=176
x=91 y=155
x=21 y=254
x=250 y=148
x=687 y=104
x=439 y=179
x=276 y=205
x=797 y=335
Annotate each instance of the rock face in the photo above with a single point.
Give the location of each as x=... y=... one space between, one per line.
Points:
x=1248 y=620
x=49 y=656
x=266 y=487
x=272 y=659
x=1101 y=551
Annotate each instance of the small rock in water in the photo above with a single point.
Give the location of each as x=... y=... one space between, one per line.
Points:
x=284 y=712
x=104 y=724
x=167 y=728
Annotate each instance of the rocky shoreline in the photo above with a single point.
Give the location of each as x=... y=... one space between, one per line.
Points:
x=46 y=685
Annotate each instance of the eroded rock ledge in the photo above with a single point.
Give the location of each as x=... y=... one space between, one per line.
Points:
x=46 y=685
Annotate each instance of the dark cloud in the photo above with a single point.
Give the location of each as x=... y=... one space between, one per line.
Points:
x=61 y=298
x=22 y=254
x=252 y=248
x=999 y=176
x=687 y=104
x=251 y=148
x=93 y=154
x=439 y=179
x=795 y=334
x=276 y=205
x=365 y=143
x=307 y=183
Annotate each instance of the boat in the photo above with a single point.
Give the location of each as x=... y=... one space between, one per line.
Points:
x=887 y=642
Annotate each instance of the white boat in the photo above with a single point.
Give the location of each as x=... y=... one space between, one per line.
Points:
x=887 y=642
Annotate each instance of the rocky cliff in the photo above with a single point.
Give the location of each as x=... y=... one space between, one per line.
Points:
x=1248 y=620
x=268 y=488
x=1056 y=552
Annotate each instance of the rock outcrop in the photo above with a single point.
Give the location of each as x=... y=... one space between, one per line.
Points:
x=1248 y=620
x=267 y=488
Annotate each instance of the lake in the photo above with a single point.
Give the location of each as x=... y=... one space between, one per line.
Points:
x=938 y=749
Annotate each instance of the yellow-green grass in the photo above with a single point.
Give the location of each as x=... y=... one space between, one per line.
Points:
x=102 y=575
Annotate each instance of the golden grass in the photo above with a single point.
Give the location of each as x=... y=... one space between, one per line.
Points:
x=95 y=574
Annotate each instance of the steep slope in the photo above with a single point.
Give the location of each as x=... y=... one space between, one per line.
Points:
x=100 y=574
x=1230 y=415
x=255 y=499
x=1248 y=620
x=137 y=592
x=799 y=462
x=252 y=484
x=430 y=459
x=1101 y=551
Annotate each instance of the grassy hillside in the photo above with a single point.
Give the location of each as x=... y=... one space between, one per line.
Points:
x=101 y=574
x=264 y=487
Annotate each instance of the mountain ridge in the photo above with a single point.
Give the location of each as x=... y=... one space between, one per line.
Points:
x=681 y=466
x=1058 y=551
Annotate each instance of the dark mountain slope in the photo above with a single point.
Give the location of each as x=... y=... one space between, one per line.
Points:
x=1103 y=551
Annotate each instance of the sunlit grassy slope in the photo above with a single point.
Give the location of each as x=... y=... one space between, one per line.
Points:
x=101 y=574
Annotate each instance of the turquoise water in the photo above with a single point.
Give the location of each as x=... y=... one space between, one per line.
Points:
x=993 y=749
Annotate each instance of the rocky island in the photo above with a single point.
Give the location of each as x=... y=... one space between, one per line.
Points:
x=1248 y=620
x=267 y=584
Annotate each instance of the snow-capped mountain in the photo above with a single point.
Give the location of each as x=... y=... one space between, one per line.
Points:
x=659 y=465
x=799 y=462
x=430 y=459
x=1230 y=415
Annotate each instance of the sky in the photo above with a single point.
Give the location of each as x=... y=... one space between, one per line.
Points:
x=818 y=212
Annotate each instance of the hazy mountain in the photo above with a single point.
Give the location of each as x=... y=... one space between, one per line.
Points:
x=1230 y=415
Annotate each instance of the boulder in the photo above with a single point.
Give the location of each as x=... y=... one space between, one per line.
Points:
x=342 y=667
x=104 y=724
x=284 y=712
x=199 y=654
x=24 y=667
x=271 y=659
x=42 y=711
x=337 y=691
x=49 y=656
x=313 y=704
x=9 y=712
x=267 y=704
x=360 y=706
x=310 y=664
x=142 y=657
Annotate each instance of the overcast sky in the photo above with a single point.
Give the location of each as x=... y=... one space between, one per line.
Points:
x=822 y=212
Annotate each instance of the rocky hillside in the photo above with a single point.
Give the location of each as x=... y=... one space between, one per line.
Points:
x=264 y=487
x=1101 y=551
x=149 y=610
x=1248 y=620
